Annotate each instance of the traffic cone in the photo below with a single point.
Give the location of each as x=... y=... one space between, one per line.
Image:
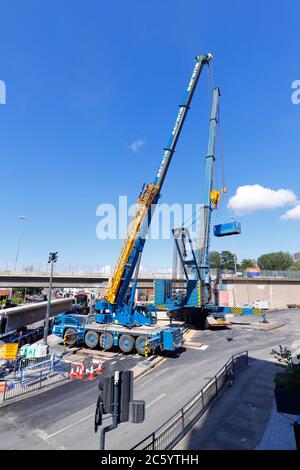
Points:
x=77 y=372
x=81 y=373
x=72 y=375
x=92 y=375
x=99 y=368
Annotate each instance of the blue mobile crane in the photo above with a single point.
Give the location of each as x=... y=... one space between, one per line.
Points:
x=194 y=303
x=117 y=320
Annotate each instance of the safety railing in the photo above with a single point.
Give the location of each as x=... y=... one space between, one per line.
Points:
x=146 y=272
x=34 y=377
x=171 y=432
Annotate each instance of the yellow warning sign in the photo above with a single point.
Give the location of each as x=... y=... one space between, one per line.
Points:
x=8 y=351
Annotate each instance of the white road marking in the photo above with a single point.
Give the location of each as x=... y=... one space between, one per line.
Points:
x=154 y=377
x=205 y=346
x=122 y=358
x=149 y=371
x=156 y=399
x=48 y=436
x=114 y=362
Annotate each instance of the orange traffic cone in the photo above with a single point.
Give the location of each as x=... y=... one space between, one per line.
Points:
x=81 y=374
x=72 y=375
x=77 y=372
x=92 y=375
x=99 y=368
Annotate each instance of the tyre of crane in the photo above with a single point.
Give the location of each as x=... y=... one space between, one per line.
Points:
x=126 y=343
x=106 y=341
x=91 y=339
x=70 y=335
x=140 y=344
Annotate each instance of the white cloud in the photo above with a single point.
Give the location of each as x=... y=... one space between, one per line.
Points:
x=136 y=145
x=292 y=213
x=250 y=198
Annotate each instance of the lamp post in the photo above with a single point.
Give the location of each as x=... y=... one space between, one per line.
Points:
x=21 y=219
x=52 y=259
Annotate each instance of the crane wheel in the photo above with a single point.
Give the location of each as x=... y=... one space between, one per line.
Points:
x=140 y=344
x=126 y=343
x=70 y=335
x=106 y=341
x=91 y=339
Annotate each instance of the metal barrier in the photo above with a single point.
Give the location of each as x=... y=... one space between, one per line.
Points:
x=171 y=432
x=35 y=377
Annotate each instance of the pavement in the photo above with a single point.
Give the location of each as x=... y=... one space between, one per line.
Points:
x=245 y=416
x=238 y=418
x=62 y=418
x=279 y=432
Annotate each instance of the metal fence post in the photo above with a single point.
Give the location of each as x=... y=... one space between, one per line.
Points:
x=4 y=392
x=216 y=379
x=41 y=378
x=202 y=397
x=182 y=419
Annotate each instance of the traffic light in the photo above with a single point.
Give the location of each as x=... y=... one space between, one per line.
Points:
x=106 y=388
x=126 y=393
x=128 y=410
x=98 y=413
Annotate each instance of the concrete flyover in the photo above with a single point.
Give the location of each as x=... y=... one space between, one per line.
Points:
x=277 y=290
x=67 y=280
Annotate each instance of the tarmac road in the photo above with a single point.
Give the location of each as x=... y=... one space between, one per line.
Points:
x=62 y=418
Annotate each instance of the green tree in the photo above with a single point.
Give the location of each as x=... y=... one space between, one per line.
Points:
x=227 y=260
x=215 y=260
x=295 y=266
x=278 y=261
x=248 y=263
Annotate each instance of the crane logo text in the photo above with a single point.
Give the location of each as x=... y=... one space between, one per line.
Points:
x=2 y=92
x=296 y=94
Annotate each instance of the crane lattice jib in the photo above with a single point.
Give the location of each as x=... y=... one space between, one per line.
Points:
x=137 y=220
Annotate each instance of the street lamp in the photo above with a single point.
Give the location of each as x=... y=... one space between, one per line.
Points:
x=21 y=218
x=52 y=259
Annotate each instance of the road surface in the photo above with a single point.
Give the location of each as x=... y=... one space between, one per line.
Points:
x=62 y=418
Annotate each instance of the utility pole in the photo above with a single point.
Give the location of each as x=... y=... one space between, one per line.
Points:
x=20 y=218
x=52 y=259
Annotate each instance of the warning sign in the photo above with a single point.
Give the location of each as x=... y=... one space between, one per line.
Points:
x=8 y=351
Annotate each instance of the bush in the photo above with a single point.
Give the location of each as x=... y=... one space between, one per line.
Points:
x=290 y=378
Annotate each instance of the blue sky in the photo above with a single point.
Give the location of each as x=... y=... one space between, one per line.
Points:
x=87 y=79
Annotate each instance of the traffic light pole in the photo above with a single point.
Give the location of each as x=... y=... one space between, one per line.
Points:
x=114 y=424
x=52 y=260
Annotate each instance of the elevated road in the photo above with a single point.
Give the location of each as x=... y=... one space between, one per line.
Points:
x=278 y=291
x=96 y=280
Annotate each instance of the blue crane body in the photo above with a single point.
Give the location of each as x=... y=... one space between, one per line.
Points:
x=196 y=304
x=117 y=320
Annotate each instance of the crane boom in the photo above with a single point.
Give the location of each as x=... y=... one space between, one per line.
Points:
x=210 y=198
x=134 y=243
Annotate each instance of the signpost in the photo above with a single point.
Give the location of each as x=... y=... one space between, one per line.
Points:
x=8 y=351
